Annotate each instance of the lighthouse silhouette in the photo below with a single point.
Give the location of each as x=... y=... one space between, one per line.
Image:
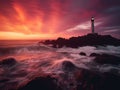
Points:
x=92 y=25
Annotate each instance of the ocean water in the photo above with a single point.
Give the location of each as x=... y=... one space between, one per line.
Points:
x=33 y=59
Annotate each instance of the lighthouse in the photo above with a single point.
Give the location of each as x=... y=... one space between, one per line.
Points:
x=92 y=25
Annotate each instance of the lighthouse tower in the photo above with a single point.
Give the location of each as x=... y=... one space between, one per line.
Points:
x=92 y=25
x=93 y=33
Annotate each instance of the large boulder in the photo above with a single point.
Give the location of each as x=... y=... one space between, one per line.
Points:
x=68 y=66
x=81 y=79
x=107 y=59
x=82 y=54
x=8 y=62
x=89 y=80
x=41 y=83
x=94 y=54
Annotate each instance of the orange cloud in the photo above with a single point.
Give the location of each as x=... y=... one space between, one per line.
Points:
x=22 y=36
x=20 y=12
x=54 y=21
x=53 y=18
x=27 y=25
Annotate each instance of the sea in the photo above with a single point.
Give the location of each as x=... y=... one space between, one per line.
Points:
x=34 y=58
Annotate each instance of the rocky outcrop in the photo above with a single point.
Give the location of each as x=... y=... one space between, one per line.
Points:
x=89 y=80
x=87 y=40
x=82 y=54
x=41 y=83
x=8 y=62
x=68 y=66
x=81 y=80
x=94 y=54
x=107 y=59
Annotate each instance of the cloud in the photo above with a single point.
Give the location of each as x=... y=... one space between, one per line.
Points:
x=57 y=16
x=83 y=26
x=109 y=31
x=22 y=36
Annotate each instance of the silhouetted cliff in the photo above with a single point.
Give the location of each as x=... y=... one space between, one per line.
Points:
x=87 y=40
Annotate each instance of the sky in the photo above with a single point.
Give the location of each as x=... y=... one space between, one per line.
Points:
x=50 y=19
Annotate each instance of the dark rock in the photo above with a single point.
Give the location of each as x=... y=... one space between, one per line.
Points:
x=110 y=82
x=89 y=80
x=107 y=59
x=94 y=54
x=8 y=62
x=68 y=66
x=87 y=40
x=4 y=80
x=82 y=53
x=84 y=80
x=41 y=83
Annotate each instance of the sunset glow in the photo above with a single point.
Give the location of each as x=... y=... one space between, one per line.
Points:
x=38 y=19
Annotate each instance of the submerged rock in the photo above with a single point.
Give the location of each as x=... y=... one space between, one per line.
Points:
x=94 y=54
x=8 y=62
x=80 y=79
x=41 y=83
x=107 y=59
x=89 y=80
x=68 y=66
x=82 y=53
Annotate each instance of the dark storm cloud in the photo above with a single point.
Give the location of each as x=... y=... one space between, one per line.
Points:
x=111 y=11
x=106 y=10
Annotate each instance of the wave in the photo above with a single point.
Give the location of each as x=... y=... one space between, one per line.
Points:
x=42 y=60
x=23 y=49
x=21 y=72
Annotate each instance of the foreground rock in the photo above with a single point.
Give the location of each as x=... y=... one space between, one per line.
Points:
x=87 y=80
x=107 y=59
x=8 y=62
x=87 y=40
x=94 y=54
x=68 y=66
x=82 y=54
x=81 y=80
x=41 y=83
